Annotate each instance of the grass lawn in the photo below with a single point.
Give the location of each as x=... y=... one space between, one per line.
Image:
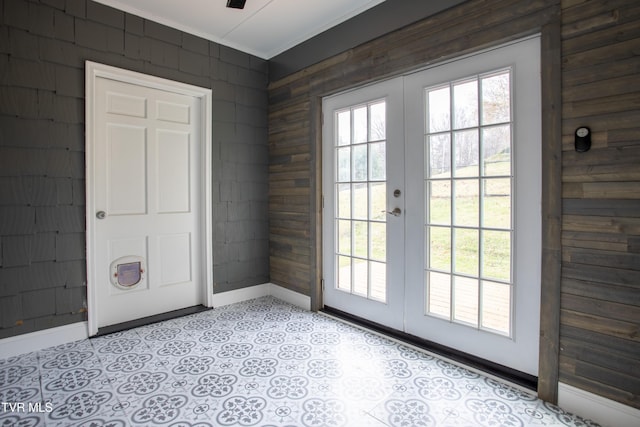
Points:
x=364 y=239
x=469 y=217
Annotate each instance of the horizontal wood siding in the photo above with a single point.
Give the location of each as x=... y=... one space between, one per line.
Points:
x=294 y=134
x=600 y=302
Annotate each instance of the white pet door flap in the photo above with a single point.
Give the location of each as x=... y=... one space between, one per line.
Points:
x=127 y=271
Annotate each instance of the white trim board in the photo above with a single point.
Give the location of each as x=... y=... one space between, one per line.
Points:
x=257 y=291
x=35 y=341
x=606 y=412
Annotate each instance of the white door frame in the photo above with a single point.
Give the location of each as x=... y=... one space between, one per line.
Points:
x=95 y=70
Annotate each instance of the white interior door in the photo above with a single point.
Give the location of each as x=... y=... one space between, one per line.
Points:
x=147 y=224
x=471 y=220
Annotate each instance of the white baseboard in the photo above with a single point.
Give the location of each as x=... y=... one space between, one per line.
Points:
x=257 y=291
x=605 y=412
x=238 y=295
x=34 y=341
x=292 y=297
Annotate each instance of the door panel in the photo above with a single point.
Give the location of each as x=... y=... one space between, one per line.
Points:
x=173 y=172
x=175 y=258
x=126 y=105
x=172 y=112
x=126 y=169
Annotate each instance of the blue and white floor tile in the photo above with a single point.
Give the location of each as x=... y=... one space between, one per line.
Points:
x=257 y=363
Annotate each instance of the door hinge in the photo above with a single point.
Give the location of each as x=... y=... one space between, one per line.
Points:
x=322 y=202
x=322 y=284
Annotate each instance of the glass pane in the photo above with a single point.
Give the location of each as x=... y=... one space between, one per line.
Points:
x=496 y=254
x=496 y=306
x=467 y=156
x=496 y=203
x=360 y=239
x=377 y=161
x=466 y=202
x=360 y=162
x=360 y=125
x=344 y=128
x=439 y=153
x=360 y=201
x=466 y=251
x=439 y=299
x=465 y=297
x=469 y=180
x=378 y=281
x=344 y=237
x=344 y=273
x=465 y=104
x=344 y=164
x=496 y=150
x=439 y=110
x=378 y=241
x=496 y=99
x=440 y=248
x=378 y=201
x=360 y=276
x=377 y=126
x=439 y=208
x=344 y=200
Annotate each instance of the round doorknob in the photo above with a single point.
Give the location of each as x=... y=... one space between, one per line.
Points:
x=101 y=214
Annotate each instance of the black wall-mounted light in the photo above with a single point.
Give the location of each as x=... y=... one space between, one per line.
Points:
x=582 y=139
x=236 y=4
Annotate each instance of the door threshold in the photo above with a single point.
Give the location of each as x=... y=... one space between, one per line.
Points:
x=522 y=379
x=144 y=321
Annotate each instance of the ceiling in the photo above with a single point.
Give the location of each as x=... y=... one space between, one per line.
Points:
x=264 y=28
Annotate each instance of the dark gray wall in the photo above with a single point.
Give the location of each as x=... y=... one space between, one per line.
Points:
x=43 y=48
x=373 y=23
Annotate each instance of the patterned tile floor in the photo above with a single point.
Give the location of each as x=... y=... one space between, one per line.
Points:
x=256 y=363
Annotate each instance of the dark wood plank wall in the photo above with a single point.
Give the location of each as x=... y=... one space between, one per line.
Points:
x=294 y=160
x=600 y=229
x=294 y=137
x=600 y=302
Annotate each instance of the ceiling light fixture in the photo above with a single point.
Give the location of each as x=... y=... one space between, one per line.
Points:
x=236 y=4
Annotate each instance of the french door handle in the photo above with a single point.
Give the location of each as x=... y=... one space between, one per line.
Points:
x=395 y=212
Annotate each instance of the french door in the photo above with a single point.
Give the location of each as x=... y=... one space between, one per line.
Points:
x=432 y=192
x=363 y=162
